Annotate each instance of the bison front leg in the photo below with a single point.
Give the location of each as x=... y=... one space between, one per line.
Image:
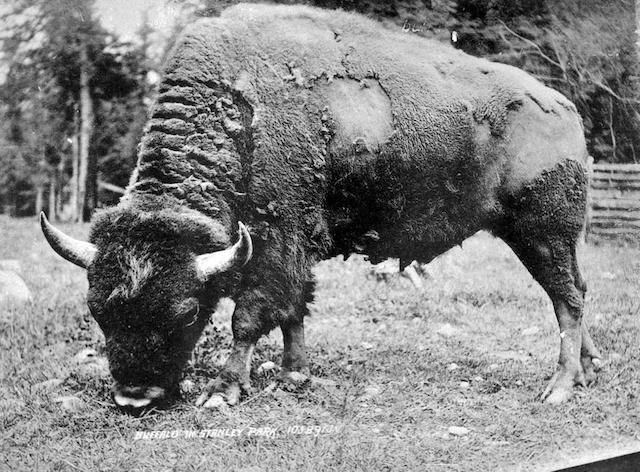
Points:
x=232 y=381
x=248 y=326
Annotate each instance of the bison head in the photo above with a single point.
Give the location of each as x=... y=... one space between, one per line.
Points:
x=153 y=282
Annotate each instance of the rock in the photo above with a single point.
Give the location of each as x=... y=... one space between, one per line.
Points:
x=48 y=385
x=366 y=345
x=98 y=368
x=453 y=366
x=90 y=364
x=533 y=330
x=447 y=330
x=216 y=402
x=13 y=290
x=69 y=403
x=458 y=431
x=464 y=385
x=477 y=378
x=494 y=367
x=267 y=367
x=86 y=355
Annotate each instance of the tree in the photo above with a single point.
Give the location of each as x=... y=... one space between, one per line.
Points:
x=63 y=53
x=583 y=48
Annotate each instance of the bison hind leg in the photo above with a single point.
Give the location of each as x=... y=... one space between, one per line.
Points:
x=543 y=227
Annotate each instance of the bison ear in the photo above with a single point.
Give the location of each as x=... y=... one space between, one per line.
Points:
x=75 y=251
x=232 y=258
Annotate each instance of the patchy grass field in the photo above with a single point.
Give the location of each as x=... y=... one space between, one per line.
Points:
x=388 y=347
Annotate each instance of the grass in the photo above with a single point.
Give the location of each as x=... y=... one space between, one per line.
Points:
x=389 y=349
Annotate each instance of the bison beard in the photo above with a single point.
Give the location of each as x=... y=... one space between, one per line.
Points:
x=327 y=134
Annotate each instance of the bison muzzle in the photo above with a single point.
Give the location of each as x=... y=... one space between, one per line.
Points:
x=326 y=134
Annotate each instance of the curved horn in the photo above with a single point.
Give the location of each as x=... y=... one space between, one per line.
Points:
x=75 y=251
x=234 y=257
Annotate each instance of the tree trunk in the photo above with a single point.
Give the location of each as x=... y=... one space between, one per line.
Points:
x=39 y=195
x=91 y=196
x=59 y=188
x=40 y=182
x=86 y=128
x=52 y=197
x=75 y=158
x=612 y=132
x=638 y=28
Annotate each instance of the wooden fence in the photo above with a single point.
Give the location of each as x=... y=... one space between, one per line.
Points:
x=615 y=202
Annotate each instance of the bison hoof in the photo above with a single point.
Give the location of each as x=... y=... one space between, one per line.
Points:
x=293 y=380
x=560 y=387
x=558 y=395
x=220 y=393
x=591 y=366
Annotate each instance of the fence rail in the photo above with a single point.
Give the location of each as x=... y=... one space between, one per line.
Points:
x=614 y=210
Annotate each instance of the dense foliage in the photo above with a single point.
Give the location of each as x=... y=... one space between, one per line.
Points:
x=584 y=48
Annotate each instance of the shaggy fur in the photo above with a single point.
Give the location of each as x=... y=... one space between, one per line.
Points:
x=328 y=134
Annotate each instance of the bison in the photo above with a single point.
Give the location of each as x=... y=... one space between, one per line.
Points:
x=326 y=134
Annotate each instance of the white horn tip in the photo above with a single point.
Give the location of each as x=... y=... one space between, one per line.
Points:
x=234 y=257
x=77 y=252
x=243 y=232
